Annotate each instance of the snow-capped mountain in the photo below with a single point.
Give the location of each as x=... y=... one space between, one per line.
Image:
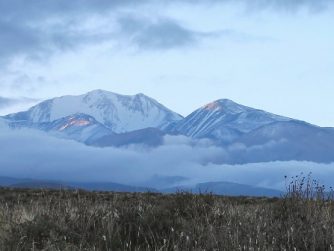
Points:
x=223 y=120
x=119 y=113
x=103 y=119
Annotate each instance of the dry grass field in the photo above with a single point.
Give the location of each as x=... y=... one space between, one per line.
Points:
x=303 y=219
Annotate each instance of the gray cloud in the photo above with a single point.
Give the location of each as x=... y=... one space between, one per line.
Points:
x=166 y=33
x=38 y=42
x=39 y=9
x=275 y=5
x=37 y=39
x=38 y=28
x=4 y=102
x=289 y=5
x=16 y=38
x=20 y=9
x=31 y=154
x=14 y=104
x=162 y=33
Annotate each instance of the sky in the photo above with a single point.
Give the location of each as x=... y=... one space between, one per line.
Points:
x=273 y=55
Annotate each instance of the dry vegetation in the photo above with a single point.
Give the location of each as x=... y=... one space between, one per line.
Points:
x=78 y=220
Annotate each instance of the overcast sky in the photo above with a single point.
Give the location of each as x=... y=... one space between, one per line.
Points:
x=269 y=54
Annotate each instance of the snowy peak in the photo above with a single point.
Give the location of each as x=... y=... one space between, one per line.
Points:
x=224 y=120
x=120 y=113
x=226 y=106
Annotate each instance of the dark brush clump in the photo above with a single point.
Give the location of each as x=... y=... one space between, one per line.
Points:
x=303 y=219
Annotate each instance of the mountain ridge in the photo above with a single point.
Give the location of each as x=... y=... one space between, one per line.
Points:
x=120 y=113
x=224 y=118
x=260 y=136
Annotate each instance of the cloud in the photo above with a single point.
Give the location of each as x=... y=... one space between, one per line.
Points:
x=83 y=31
x=289 y=5
x=39 y=28
x=20 y=9
x=159 y=34
x=34 y=37
x=39 y=10
x=8 y=105
x=275 y=5
x=36 y=41
x=31 y=154
x=167 y=33
x=16 y=38
x=4 y=102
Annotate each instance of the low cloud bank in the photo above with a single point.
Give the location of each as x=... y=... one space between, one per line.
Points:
x=31 y=154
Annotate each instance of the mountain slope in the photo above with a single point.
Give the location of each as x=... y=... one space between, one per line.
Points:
x=285 y=141
x=120 y=113
x=226 y=189
x=79 y=127
x=148 y=136
x=53 y=184
x=235 y=189
x=223 y=120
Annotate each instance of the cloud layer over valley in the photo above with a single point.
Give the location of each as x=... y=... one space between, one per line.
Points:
x=31 y=154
